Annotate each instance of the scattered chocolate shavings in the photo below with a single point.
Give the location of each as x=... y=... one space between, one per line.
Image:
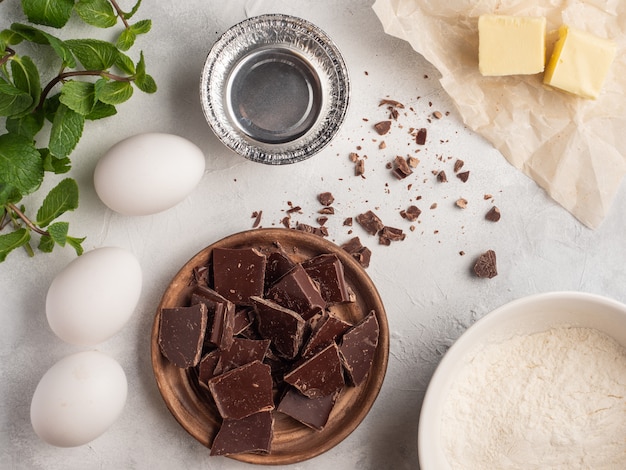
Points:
x=359 y=168
x=347 y=221
x=326 y=198
x=463 y=176
x=441 y=177
x=286 y=221
x=411 y=213
x=462 y=203
x=382 y=127
x=493 y=215
x=370 y=222
x=382 y=145
x=322 y=220
x=458 y=164
x=390 y=234
x=402 y=168
x=437 y=115
x=256 y=215
x=293 y=209
x=321 y=231
x=433 y=205
x=392 y=103
x=420 y=138
x=486 y=197
x=485 y=266
x=413 y=162
x=354 y=157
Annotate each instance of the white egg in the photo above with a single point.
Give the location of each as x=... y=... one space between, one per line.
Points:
x=94 y=296
x=148 y=173
x=78 y=399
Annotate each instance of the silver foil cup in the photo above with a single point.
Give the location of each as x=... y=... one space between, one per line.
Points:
x=275 y=89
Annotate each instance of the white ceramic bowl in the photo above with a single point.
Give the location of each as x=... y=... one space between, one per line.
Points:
x=528 y=315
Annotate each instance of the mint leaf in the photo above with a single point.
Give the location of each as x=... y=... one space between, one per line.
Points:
x=46 y=244
x=13 y=240
x=126 y=39
x=58 y=232
x=76 y=243
x=78 y=96
x=53 y=13
x=53 y=164
x=98 y=13
x=67 y=128
x=113 y=92
x=62 y=198
x=9 y=38
x=101 y=110
x=13 y=101
x=20 y=163
x=144 y=81
x=131 y=13
x=125 y=64
x=41 y=37
x=8 y=194
x=94 y=54
x=27 y=125
x=141 y=27
x=26 y=78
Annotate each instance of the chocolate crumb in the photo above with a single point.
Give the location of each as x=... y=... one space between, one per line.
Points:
x=393 y=103
x=433 y=205
x=354 y=157
x=411 y=213
x=326 y=198
x=359 y=168
x=321 y=231
x=326 y=211
x=257 y=218
x=413 y=162
x=486 y=197
x=420 y=138
x=485 y=266
x=293 y=209
x=463 y=176
x=493 y=215
x=402 y=168
x=370 y=222
x=347 y=222
x=458 y=164
x=382 y=127
x=322 y=220
x=441 y=176
x=437 y=115
x=462 y=203
x=390 y=234
x=359 y=252
x=382 y=145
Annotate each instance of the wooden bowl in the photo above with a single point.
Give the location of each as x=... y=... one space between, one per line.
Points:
x=293 y=442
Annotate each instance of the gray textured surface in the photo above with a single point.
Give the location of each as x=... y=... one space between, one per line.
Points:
x=430 y=295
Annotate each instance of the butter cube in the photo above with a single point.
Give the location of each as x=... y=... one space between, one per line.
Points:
x=511 y=45
x=580 y=62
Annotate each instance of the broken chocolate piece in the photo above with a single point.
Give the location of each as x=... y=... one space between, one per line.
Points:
x=238 y=273
x=390 y=234
x=411 y=213
x=243 y=391
x=382 y=127
x=485 y=265
x=278 y=264
x=493 y=215
x=359 y=252
x=420 y=138
x=319 y=376
x=284 y=327
x=463 y=176
x=243 y=319
x=297 y=291
x=442 y=177
x=370 y=222
x=181 y=334
x=251 y=434
x=358 y=347
x=320 y=231
x=458 y=164
x=312 y=412
x=326 y=199
x=402 y=168
x=327 y=271
x=206 y=367
x=241 y=352
x=221 y=317
x=326 y=330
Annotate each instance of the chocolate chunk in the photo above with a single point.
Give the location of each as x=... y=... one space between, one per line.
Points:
x=206 y=367
x=402 y=168
x=243 y=319
x=326 y=331
x=327 y=271
x=181 y=334
x=411 y=213
x=326 y=199
x=359 y=167
x=284 y=327
x=359 y=252
x=441 y=177
x=493 y=215
x=370 y=222
x=485 y=265
x=463 y=176
x=251 y=434
x=390 y=234
x=319 y=376
x=243 y=391
x=297 y=291
x=382 y=127
x=326 y=211
x=420 y=138
x=391 y=103
x=221 y=317
x=458 y=164
x=241 y=352
x=278 y=264
x=312 y=412
x=238 y=273
x=358 y=347
x=320 y=231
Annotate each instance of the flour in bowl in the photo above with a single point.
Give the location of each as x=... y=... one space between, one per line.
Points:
x=550 y=400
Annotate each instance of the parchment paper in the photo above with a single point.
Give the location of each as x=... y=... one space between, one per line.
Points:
x=572 y=147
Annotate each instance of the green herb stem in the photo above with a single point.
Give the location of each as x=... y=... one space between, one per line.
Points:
x=120 y=13
x=9 y=53
x=26 y=220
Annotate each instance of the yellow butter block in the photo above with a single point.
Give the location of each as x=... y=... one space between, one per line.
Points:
x=511 y=45
x=580 y=62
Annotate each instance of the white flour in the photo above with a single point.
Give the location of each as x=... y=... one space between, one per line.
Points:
x=551 y=400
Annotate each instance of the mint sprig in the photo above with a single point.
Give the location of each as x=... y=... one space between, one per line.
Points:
x=92 y=78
